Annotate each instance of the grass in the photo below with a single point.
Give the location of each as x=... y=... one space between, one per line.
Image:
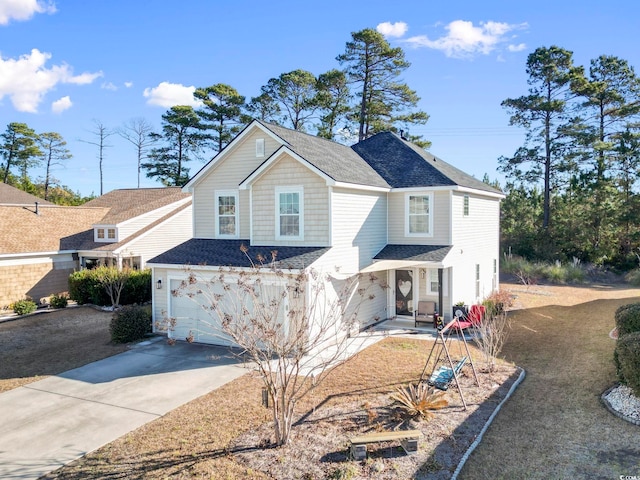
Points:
x=48 y=343
x=553 y=427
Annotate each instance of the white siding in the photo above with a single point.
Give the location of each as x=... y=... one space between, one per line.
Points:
x=125 y=229
x=170 y=233
x=232 y=169
x=476 y=242
x=398 y=219
x=358 y=229
x=290 y=172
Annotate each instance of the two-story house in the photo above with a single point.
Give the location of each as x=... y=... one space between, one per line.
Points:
x=384 y=205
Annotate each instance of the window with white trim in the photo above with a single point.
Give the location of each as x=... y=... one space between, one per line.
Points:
x=289 y=213
x=465 y=206
x=227 y=214
x=432 y=281
x=100 y=233
x=259 y=147
x=477 y=280
x=111 y=233
x=419 y=218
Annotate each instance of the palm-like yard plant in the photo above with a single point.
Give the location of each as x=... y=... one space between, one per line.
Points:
x=419 y=401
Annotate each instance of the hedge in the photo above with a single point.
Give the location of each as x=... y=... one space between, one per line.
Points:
x=627 y=359
x=627 y=318
x=87 y=286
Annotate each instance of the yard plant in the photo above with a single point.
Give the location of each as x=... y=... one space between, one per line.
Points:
x=24 y=306
x=130 y=323
x=293 y=353
x=628 y=318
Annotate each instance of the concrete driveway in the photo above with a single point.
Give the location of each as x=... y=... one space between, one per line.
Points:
x=52 y=422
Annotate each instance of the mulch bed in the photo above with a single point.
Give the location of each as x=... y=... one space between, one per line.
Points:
x=319 y=447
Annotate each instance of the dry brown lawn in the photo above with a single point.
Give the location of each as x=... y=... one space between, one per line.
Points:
x=553 y=427
x=51 y=342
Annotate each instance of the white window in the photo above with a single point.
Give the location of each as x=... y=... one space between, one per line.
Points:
x=100 y=234
x=419 y=218
x=260 y=147
x=289 y=213
x=494 y=281
x=465 y=207
x=432 y=281
x=227 y=214
x=111 y=233
x=477 y=280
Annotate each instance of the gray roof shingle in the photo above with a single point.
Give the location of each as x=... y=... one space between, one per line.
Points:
x=420 y=253
x=227 y=253
x=337 y=161
x=403 y=164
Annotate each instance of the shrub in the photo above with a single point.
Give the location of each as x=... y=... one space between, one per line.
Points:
x=418 y=401
x=130 y=323
x=22 y=307
x=88 y=286
x=627 y=318
x=59 y=300
x=627 y=356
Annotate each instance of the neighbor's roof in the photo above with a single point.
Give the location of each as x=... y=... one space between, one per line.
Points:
x=228 y=253
x=419 y=253
x=125 y=204
x=403 y=165
x=52 y=229
x=13 y=196
x=337 y=161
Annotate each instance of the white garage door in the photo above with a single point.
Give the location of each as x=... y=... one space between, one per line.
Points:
x=204 y=325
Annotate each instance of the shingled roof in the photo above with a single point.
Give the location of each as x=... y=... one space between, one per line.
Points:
x=13 y=196
x=419 y=253
x=53 y=228
x=337 y=161
x=403 y=164
x=125 y=204
x=228 y=253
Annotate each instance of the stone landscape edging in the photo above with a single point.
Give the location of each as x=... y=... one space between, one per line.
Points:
x=603 y=399
x=478 y=439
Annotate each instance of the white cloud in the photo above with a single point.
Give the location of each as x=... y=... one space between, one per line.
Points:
x=517 y=48
x=389 y=29
x=464 y=40
x=128 y=84
x=171 y=94
x=109 y=86
x=61 y=104
x=26 y=80
x=23 y=9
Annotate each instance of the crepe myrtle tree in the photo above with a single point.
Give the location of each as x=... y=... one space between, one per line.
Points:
x=292 y=326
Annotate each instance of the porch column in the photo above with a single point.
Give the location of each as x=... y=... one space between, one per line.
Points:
x=440 y=295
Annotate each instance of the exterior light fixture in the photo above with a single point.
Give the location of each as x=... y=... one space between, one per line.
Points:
x=159 y=284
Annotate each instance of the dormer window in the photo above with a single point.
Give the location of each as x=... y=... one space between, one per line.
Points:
x=105 y=234
x=260 y=147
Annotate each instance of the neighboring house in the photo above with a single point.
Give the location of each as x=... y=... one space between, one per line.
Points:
x=41 y=244
x=384 y=205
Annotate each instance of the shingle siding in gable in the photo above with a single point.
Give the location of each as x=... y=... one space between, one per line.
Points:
x=232 y=170
x=289 y=172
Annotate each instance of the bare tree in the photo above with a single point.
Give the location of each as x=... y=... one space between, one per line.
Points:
x=294 y=327
x=491 y=333
x=136 y=131
x=102 y=133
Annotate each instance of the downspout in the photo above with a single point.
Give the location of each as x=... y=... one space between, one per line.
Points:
x=440 y=294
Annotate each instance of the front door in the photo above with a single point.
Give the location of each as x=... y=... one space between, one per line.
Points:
x=404 y=292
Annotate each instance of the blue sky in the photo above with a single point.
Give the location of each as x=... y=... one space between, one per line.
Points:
x=66 y=63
